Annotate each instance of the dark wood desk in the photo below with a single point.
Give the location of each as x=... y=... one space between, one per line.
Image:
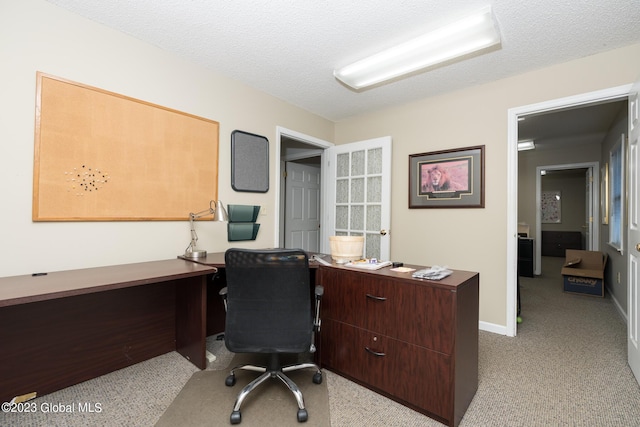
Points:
x=412 y=340
x=66 y=327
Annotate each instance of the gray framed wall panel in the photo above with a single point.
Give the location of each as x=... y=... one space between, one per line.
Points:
x=249 y=162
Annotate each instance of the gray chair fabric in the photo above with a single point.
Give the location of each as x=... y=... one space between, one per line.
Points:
x=270 y=307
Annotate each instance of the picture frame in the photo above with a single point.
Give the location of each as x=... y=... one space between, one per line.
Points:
x=551 y=207
x=447 y=179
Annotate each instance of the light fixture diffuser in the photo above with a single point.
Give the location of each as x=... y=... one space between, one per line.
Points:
x=526 y=145
x=458 y=39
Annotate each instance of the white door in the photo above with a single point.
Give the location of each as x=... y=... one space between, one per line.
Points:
x=633 y=242
x=588 y=212
x=302 y=210
x=358 y=190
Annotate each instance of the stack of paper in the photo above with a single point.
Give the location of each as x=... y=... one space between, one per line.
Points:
x=433 y=273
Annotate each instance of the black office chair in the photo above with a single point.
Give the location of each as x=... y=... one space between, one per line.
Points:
x=270 y=310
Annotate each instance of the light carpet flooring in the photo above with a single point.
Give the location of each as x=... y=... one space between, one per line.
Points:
x=566 y=367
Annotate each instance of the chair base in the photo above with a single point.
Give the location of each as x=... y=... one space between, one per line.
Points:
x=274 y=371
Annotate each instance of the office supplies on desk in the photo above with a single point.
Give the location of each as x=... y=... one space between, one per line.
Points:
x=433 y=273
x=321 y=260
x=366 y=264
x=402 y=269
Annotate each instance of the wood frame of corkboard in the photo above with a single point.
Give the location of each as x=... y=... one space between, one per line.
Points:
x=102 y=156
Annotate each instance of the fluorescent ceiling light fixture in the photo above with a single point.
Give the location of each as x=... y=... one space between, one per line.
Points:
x=458 y=39
x=526 y=145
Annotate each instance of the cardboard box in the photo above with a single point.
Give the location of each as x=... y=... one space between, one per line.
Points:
x=583 y=272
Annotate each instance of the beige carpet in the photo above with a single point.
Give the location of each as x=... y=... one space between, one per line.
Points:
x=206 y=400
x=566 y=367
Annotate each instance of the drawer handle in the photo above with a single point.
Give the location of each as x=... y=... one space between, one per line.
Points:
x=376 y=298
x=375 y=353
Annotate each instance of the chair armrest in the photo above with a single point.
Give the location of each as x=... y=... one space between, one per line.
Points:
x=223 y=294
x=319 y=291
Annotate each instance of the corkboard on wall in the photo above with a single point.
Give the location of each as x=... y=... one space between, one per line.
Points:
x=101 y=156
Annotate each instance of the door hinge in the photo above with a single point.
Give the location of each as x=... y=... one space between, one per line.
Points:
x=284 y=174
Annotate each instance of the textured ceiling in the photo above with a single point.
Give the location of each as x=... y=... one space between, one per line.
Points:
x=574 y=126
x=289 y=48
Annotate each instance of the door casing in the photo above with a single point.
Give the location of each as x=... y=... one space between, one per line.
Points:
x=614 y=93
x=307 y=139
x=595 y=197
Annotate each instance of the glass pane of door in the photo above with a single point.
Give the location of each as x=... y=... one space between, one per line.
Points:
x=359 y=194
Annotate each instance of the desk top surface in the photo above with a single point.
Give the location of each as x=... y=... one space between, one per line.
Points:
x=457 y=278
x=30 y=288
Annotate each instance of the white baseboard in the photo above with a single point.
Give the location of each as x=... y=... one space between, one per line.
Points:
x=621 y=311
x=492 y=327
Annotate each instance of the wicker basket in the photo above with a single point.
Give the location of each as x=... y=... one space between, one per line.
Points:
x=346 y=248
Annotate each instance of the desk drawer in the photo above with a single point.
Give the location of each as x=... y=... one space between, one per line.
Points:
x=410 y=374
x=412 y=312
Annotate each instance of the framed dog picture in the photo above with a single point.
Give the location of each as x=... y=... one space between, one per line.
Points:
x=447 y=179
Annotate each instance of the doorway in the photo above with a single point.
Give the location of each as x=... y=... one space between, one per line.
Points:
x=577 y=185
x=355 y=189
x=513 y=118
x=304 y=150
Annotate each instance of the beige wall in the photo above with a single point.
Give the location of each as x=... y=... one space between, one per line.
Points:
x=35 y=35
x=572 y=188
x=528 y=161
x=616 y=276
x=474 y=239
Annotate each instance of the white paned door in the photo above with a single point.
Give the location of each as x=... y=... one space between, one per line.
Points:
x=633 y=242
x=588 y=204
x=302 y=212
x=358 y=191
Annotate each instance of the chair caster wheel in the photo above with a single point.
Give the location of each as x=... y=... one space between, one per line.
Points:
x=230 y=381
x=236 y=417
x=302 y=415
x=317 y=378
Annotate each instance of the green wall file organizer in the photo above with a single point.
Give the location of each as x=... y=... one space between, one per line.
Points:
x=242 y=222
x=242 y=231
x=242 y=213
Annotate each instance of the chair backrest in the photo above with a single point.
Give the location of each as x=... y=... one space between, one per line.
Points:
x=269 y=303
